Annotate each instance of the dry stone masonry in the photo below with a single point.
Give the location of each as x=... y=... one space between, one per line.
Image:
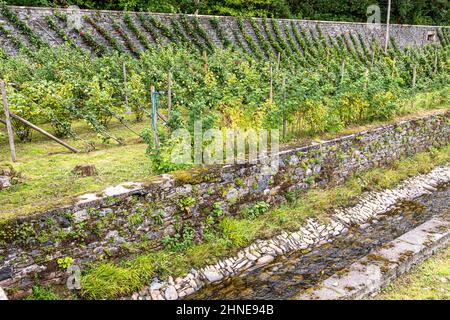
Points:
x=136 y=33
x=118 y=220
x=313 y=233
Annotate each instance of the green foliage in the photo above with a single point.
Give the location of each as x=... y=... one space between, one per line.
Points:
x=217 y=210
x=109 y=281
x=105 y=33
x=137 y=32
x=179 y=241
x=186 y=203
x=64 y=263
x=41 y=293
x=403 y=11
x=256 y=210
x=22 y=26
x=239 y=232
x=163 y=159
x=112 y=280
x=320 y=85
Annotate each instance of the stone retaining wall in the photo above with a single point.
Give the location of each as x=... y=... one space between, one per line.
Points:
x=133 y=216
x=404 y=35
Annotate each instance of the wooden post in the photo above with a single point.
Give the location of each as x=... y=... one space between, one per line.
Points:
x=45 y=133
x=284 y=108
x=169 y=94
x=154 y=117
x=342 y=70
x=8 y=122
x=366 y=78
x=271 y=84
x=124 y=70
x=386 y=43
x=373 y=56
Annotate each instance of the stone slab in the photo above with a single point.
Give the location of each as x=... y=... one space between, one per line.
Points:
x=370 y=274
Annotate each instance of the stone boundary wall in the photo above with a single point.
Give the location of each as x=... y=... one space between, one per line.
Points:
x=404 y=35
x=136 y=216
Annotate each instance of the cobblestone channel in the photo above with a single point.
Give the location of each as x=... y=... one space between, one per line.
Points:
x=289 y=262
x=293 y=273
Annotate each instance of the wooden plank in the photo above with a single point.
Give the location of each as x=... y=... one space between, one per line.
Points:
x=45 y=133
x=8 y=122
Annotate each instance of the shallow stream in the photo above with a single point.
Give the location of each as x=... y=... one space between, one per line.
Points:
x=291 y=274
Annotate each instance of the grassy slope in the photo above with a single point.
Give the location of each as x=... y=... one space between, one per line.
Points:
x=46 y=166
x=111 y=280
x=427 y=281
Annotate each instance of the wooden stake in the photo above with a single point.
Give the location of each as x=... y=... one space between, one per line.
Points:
x=154 y=118
x=8 y=122
x=169 y=94
x=373 y=56
x=284 y=108
x=162 y=117
x=366 y=78
x=45 y=133
x=124 y=70
x=386 y=43
x=271 y=85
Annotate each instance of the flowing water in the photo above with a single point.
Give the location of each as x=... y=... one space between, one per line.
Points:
x=291 y=274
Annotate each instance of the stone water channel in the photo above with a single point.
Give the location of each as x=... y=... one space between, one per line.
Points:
x=291 y=274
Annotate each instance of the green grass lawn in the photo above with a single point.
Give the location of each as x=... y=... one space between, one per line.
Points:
x=429 y=280
x=47 y=168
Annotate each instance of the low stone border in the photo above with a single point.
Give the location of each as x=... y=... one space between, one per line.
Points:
x=370 y=274
x=313 y=233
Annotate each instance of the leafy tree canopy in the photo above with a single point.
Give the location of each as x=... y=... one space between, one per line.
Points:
x=403 y=11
